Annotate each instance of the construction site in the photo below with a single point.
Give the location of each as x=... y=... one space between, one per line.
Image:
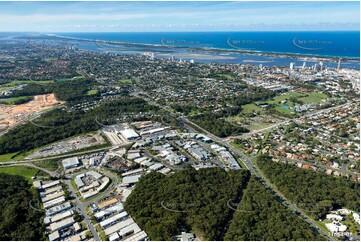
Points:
x=11 y=115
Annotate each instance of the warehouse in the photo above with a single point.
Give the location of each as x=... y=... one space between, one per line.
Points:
x=78 y=180
x=138 y=236
x=54 y=236
x=54 y=202
x=58 y=217
x=156 y=167
x=116 y=208
x=52 y=196
x=58 y=209
x=114 y=237
x=62 y=224
x=50 y=184
x=95 y=174
x=130 y=180
x=129 y=134
x=51 y=190
x=119 y=226
x=130 y=229
x=113 y=219
x=105 y=182
x=70 y=162
x=107 y=203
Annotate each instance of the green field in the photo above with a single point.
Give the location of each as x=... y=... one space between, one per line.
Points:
x=306 y=98
x=24 y=171
x=227 y=76
x=283 y=110
x=285 y=96
x=124 y=81
x=7 y=157
x=14 y=83
x=250 y=108
x=92 y=92
x=16 y=100
x=314 y=97
x=51 y=165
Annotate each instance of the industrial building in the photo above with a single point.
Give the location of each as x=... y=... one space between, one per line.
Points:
x=57 y=209
x=70 y=163
x=129 y=134
x=109 y=221
x=130 y=180
x=62 y=224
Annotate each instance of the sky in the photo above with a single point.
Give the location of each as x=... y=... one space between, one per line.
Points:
x=178 y=16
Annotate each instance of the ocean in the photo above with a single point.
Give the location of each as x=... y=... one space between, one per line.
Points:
x=266 y=48
x=331 y=44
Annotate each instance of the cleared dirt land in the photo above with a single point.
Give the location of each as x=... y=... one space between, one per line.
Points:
x=10 y=115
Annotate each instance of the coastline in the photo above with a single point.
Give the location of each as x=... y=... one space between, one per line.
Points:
x=315 y=57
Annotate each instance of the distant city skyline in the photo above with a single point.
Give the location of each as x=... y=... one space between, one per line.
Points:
x=178 y=16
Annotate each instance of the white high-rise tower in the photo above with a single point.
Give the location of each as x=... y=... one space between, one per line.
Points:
x=292 y=64
x=321 y=65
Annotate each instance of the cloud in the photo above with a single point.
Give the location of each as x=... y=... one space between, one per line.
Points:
x=177 y=16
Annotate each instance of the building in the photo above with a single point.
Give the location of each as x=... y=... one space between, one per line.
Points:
x=52 y=196
x=117 y=227
x=335 y=227
x=304 y=65
x=138 y=236
x=58 y=209
x=334 y=217
x=54 y=236
x=185 y=237
x=113 y=219
x=116 y=208
x=129 y=134
x=107 y=203
x=62 y=224
x=50 y=184
x=130 y=229
x=58 y=217
x=54 y=202
x=156 y=167
x=70 y=163
x=292 y=65
x=130 y=180
x=78 y=181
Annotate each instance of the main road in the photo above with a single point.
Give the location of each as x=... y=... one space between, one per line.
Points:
x=248 y=163
x=255 y=171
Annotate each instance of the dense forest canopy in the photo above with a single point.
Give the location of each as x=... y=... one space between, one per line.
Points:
x=260 y=217
x=189 y=199
x=215 y=122
x=217 y=126
x=313 y=192
x=60 y=124
x=71 y=90
x=215 y=205
x=18 y=221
